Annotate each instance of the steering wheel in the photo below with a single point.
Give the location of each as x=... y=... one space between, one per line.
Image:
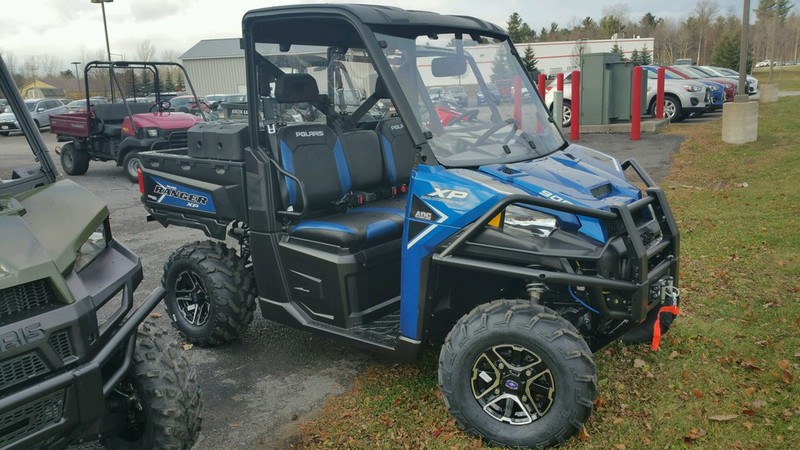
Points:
x=494 y=129
x=162 y=106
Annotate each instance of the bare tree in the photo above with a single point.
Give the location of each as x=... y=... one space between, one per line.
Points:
x=145 y=50
x=704 y=12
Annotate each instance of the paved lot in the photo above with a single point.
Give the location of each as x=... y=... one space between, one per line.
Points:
x=256 y=389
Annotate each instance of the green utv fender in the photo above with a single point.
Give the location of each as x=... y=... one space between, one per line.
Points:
x=41 y=231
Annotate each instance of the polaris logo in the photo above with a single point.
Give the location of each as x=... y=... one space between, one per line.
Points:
x=424 y=215
x=448 y=194
x=397 y=127
x=193 y=200
x=21 y=336
x=549 y=195
x=305 y=134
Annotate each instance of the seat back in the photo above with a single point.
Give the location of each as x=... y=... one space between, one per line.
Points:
x=364 y=161
x=398 y=151
x=315 y=155
x=117 y=112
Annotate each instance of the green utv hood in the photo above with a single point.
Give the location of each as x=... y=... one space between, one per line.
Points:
x=41 y=229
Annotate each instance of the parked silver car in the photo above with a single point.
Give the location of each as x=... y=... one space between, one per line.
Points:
x=752 y=82
x=40 y=109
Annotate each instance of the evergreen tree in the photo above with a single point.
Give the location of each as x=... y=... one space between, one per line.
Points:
x=645 y=56
x=529 y=59
x=169 y=83
x=179 y=83
x=726 y=51
x=500 y=68
x=635 y=57
x=145 y=83
x=518 y=30
x=618 y=50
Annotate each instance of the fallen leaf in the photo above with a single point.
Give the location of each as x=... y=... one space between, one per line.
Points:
x=693 y=435
x=638 y=363
x=583 y=434
x=747 y=426
x=155 y=315
x=749 y=391
x=698 y=393
x=673 y=355
x=617 y=421
x=759 y=404
x=235 y=425
x=600 y=402
x=750 y=364
x=187 y=346
x=436 y=433
x=784 y=364
x=620 y=446
x=786 y=377
x=723 y=417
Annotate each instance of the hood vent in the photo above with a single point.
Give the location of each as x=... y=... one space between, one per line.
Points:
x=601 y=191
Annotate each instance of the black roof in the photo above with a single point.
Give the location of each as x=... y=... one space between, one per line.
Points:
x=397 y=20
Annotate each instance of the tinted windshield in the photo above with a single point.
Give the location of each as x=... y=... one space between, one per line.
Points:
x=513 y=130
x=31 y=106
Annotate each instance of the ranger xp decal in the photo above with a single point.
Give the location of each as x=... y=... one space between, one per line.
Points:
x=171 y=194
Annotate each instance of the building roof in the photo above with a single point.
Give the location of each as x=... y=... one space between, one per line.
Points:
x=214 y=48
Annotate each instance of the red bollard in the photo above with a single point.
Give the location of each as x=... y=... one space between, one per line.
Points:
x=575 y=105
x=560 y=82
x=660 y=92
x=636 y=104
x=540 y=84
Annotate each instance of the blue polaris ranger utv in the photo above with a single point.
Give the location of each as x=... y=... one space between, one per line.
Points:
x=422 y=224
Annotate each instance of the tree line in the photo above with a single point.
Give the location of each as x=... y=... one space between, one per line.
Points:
x=708 y=34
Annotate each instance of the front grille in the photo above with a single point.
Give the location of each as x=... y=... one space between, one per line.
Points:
x=20 y=368
x=61 y=344
x=601 y=191
x=31 y=417
x=174 y=140
x=26 y=299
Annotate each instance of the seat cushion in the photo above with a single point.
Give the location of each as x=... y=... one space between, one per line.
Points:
x=356 y=228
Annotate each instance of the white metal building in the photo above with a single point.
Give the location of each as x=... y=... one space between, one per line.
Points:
x=216 y=66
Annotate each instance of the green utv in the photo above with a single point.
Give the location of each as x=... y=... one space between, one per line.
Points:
x=77 y=363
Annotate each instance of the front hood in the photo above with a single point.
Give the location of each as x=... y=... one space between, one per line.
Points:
x=43 y=228
x=7 y=117
x=166 y=120
x=577 y=175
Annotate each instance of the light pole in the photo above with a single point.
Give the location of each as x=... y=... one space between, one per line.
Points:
x=105 y=26
x=77 y=74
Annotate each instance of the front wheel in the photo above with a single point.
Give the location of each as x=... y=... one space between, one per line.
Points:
x=210 y=293
x=516 y=374
x=158 y=404
x=74 y=161
x=131 y=163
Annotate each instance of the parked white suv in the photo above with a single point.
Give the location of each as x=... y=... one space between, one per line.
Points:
x=752 y=82
x=681 y=98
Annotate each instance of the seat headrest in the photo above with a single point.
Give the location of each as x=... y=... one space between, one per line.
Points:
x=296 y=88
x=381 y=91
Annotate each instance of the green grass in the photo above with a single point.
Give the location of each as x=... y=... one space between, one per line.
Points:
x=727 y=374
x=787 y=77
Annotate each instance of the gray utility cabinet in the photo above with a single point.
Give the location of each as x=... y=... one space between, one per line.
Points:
x=606 y=88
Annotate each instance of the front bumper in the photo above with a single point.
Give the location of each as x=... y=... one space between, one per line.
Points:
x=647 y=265
x=82 y=355
x=9 y=126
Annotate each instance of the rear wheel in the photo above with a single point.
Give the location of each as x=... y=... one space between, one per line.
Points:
x=210 y=293
x=131 y=164
x=516 y=374
x=158 y=403
x=74 y=161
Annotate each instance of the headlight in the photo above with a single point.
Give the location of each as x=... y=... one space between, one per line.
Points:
x=692 y=88
x=151 y=132
x=93 y=246
x=524 y=222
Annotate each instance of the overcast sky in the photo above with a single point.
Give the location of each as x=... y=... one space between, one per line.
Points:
x=67 y=30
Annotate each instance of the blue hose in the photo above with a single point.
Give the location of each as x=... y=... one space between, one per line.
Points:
x=569 y=288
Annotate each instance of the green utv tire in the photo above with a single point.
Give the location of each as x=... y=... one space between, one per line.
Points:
x=210 y=293
x=165 y=404
x=517 y=374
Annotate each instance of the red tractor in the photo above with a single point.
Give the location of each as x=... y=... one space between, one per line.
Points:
x=119 y=130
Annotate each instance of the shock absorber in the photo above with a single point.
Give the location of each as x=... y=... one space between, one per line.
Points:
x=535 y=289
